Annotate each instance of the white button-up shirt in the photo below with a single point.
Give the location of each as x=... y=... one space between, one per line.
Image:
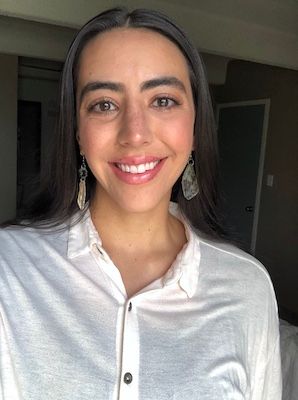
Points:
x=207 y=330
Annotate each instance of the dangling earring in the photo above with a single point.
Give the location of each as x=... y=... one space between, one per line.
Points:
x=83 y=173
x=189 y=182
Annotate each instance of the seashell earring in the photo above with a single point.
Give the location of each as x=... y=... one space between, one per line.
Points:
x=189 y=182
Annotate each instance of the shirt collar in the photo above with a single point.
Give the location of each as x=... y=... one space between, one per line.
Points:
x=186 y=265
x=185 y=269
x=82 y=235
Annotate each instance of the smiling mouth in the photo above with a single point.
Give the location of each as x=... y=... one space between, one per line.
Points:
x=139 y=168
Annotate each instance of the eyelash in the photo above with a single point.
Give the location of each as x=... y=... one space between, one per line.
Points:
x=94 y=107
x=168 y=99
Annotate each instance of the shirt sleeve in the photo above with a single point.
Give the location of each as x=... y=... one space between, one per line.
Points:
x=267 y=370
x=269 y=384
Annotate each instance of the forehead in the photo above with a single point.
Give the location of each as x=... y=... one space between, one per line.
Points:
x=131 y=50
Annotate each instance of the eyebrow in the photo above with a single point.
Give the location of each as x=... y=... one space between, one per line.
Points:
x=119 y=87
x=92 y=86
x=163 y=81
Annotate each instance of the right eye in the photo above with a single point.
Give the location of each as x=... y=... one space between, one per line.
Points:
x=103 y=106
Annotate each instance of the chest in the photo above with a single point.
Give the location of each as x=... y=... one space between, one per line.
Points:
x=89 y=346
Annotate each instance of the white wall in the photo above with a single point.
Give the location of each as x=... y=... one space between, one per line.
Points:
x=8 y=136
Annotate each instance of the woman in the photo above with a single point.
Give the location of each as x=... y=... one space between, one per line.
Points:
x=132 y=297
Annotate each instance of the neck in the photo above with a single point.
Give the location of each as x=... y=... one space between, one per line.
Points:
x=150 y=229
x=143 y=245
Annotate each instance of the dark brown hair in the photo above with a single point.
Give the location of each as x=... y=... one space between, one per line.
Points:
x=56 y=201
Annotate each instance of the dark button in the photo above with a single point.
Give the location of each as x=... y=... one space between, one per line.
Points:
x=127 y=378
x=129 y=307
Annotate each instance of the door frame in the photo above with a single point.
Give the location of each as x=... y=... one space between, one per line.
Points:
x=266 y=103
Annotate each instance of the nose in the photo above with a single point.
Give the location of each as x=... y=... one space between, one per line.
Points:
x=134 y=128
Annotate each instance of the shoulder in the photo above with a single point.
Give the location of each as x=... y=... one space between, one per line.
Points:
x=222 y=261
x=15 y=236
x=232 y=258
x=237 y=284
x=27 y=242
x=235 y=273
x=230 y=255
x=18 y=233
x=27 y=255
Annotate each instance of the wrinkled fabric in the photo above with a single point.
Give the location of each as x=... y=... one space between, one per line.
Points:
x=207 y=330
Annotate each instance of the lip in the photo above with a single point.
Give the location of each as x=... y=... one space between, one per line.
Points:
x=137 y=178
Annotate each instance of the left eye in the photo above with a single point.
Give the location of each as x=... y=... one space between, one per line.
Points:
x=103 y=106
x=164 y=102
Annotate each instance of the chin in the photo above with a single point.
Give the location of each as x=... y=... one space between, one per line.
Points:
x=132 y=199
x=140 y=201
x=139 y=206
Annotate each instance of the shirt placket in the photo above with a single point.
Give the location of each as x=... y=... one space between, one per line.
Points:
x=129 y=377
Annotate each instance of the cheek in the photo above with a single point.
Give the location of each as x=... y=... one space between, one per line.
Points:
x=180 y=134
x=91 y=137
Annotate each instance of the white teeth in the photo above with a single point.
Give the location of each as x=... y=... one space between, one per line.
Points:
x=141 y=168
x=138 y=169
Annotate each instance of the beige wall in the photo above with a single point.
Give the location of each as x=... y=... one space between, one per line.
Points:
x=33 y=39
x=263 y=31
x=277 y=236
x=8 y=135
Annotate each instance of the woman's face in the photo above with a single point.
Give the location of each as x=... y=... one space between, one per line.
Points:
x=135 y=116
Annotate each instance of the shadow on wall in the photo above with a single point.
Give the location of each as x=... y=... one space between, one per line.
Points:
x=277 y=232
